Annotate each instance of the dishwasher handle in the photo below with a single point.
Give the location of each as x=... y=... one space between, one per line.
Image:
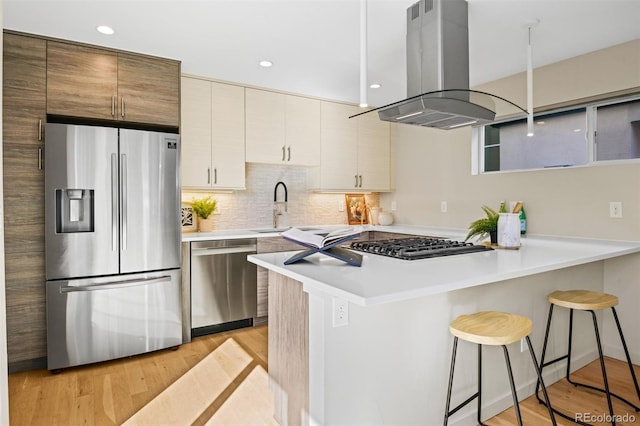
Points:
x=211 y=251
x=116 y=284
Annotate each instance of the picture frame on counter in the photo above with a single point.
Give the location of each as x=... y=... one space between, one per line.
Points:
x=356 y=209
x=188 y=218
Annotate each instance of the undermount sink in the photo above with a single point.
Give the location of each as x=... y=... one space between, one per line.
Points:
x=275 y=230
x=269 y=230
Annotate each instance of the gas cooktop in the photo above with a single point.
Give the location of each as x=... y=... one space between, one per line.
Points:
x=417 y=247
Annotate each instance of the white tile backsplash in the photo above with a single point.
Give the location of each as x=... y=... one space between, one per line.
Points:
x=253 y=208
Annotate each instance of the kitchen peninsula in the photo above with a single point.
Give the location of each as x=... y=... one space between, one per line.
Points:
x=371 y=345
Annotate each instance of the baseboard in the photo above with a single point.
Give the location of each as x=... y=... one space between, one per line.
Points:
x=27 y=365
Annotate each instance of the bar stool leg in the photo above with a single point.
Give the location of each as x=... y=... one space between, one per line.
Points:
x=516 y=405
x=544 y=348
x=546 y=402
x=569 y=346
x=604 y=370
x=540 y=381
x=453 y=364
x=626 y=352
x=447 y=411
x=479 y=416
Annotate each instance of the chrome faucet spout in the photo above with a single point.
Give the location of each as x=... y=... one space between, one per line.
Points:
x=277 y=204
x=275 y=192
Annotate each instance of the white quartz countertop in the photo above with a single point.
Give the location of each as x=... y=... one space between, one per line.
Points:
x=382 y=279
x=257 y=232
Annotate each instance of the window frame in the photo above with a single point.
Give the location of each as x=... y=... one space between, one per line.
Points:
x=478 y=147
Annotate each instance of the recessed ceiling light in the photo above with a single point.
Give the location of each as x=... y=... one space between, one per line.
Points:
x=105 y=29
x=375 y=86
x=265 y=64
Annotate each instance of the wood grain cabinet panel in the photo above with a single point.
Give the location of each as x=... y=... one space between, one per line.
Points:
x=148 y=90
x=81 y=81
x=24 y=114
x=90 y=82
x=269 y=245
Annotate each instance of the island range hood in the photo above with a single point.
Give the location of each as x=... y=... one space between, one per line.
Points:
x=438 y=92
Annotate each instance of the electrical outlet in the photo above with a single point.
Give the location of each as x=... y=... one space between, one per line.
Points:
x=523 y=345
x=443 y=207
x=340 y=312
x=615 y=209
x=340 y=205
x=394 y=206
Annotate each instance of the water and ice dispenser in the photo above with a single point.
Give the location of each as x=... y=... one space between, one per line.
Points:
x=74 y=210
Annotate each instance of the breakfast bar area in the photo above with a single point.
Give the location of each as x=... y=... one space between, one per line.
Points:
x=371 y=344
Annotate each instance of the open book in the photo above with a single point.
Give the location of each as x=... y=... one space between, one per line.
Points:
x=319 y=240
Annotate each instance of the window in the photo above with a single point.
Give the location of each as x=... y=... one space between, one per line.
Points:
x=617 y=133
x=564 y=138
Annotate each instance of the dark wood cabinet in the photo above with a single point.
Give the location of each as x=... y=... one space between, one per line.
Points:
x=149 y=90
x=90 y=82
x=24 y=115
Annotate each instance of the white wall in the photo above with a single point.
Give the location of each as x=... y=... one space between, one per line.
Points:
x=434 y=166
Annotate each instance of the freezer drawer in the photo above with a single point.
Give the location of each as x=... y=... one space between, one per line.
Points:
x=92 y=320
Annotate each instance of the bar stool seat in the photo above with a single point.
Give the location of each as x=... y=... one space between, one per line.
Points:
x=589 y=301
x=494 y=329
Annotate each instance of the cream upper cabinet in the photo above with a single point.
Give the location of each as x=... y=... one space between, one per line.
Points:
x=355 y=152
x=282 y=129
x=339 y=147
x=374 y=153
x=212 y=135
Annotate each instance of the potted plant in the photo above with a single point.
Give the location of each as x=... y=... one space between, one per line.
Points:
x=485 y=225
x=204 y=208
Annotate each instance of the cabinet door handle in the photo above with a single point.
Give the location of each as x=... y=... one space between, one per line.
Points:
x=283 y=150
x=123 y=107
x=39 y=130
x=113 y=106
x=289 y=153
x=39 y=158
x=208 y=175
x=360 y=186
x=356 y=185
x=215 y=175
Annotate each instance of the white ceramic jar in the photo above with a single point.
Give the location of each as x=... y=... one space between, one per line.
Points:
x=386 y=218
x=509 y=230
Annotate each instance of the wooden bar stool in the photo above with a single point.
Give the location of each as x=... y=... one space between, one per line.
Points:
x=584 y=300
x=494 y=329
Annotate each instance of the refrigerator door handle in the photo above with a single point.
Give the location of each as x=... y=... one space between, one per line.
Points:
x=123 y=201
x=114 y=202
x=116 y=284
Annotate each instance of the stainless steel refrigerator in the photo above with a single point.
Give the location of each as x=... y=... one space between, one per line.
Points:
x=112 y=234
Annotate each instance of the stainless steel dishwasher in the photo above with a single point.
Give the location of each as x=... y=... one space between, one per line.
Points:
x=223 y=285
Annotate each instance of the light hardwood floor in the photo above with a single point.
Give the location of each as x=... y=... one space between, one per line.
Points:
x=221 y=380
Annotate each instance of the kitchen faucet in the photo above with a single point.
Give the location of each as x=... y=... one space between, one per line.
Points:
x=277 y=204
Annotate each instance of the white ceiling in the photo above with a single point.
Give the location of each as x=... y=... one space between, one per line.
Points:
x=314 y=44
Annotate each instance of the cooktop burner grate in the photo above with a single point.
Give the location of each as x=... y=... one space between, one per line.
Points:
x=417 y=247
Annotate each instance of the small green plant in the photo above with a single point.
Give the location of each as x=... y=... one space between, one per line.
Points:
x=484 y=226
x=204 y=207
